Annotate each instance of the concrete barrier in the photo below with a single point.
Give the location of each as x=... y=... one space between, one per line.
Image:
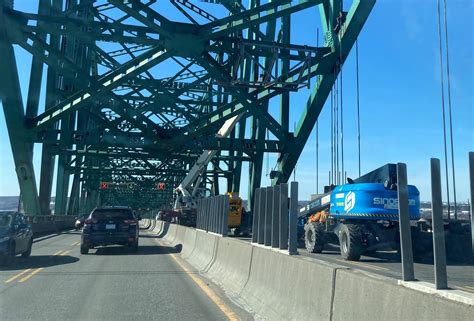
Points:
x=204 y=252
x=145 y=224
x=157 y=226
x=180 y=233
x=170 y=235
x=189 y=243
x=276 y=286
x=377 y=298
x=152 y=224
x=231 y=268
x=281 y=287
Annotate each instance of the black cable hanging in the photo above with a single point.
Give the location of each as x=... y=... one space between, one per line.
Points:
x=342 y=129
x=332 y=137
x=449 y=108
x=342 y=173
x=358 y=106
x=317 y=159
x=443 y=108
x=336 y=106
x=317 y=129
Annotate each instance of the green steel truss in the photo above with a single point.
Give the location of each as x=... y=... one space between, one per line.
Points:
x=135 y=91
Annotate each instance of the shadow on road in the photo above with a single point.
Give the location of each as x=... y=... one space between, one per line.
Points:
x=142 y=250
x=38 y=261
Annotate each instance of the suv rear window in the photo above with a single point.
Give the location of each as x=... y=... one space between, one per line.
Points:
x=110 y=214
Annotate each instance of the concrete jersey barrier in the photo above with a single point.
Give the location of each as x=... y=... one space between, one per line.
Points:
x=276 y=286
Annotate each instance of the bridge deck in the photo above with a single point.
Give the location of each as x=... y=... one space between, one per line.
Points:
x=108 y=284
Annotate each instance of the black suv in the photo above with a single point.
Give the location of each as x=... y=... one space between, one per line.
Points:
x=110 y=225
x=16 y=236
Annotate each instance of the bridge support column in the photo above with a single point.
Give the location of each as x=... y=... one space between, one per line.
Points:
x=10 y=96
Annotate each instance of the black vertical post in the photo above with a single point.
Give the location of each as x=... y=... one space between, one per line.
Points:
x=293 y=232
x=215 y=214
x=213 y=210
x=283 y=214
x=256 y=208
x=439 y=248
x=207 y=216
x=276 y=216
x=268 y=217
x=225 y=216
x=261 y=216
x=198 y=213
x=408 y=272
x=220 y=213
x=471 y=179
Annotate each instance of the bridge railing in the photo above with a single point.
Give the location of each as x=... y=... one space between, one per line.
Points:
x=212 y=214
x=275 y=217
x=43 y=224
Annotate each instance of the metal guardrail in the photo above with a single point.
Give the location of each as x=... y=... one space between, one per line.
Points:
x=50 y=218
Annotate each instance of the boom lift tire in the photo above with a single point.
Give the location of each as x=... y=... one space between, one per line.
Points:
x=314 y=237
x=350 y=241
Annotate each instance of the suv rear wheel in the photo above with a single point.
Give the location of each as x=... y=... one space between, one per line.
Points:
x=84 y=249
x=133 y=246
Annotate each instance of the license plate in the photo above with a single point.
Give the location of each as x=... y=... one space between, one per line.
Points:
x=110 y=226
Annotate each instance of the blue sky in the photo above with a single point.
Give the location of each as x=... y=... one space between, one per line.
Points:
x=400 y=98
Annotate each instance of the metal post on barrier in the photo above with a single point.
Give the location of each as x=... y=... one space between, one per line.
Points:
x=198 y=214
x=268 y=218
x=211 y=217
x=471 y=183
x=283 y=214
x=225 y=217
x=220 y=213
x=275 y=216
x=206 y=215
x=408 y=272
x=256 y=208
x=293 y=232
x=439 y=249
x=215 y=210
x=261 y=216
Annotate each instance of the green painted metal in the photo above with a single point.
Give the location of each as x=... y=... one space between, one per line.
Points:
x=136 y=94
x=12 y=102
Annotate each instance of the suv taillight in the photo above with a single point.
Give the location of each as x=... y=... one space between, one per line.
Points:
x=90 y=221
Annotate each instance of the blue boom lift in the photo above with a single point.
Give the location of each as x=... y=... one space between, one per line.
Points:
x=362 y=216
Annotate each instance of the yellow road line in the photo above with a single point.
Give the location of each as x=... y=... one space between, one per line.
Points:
x=465 y=288
x=13 y=278
x=76 y=243
x=208 y=291
x=30 y=275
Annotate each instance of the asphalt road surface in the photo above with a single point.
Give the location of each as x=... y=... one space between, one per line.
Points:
x=110 y=283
